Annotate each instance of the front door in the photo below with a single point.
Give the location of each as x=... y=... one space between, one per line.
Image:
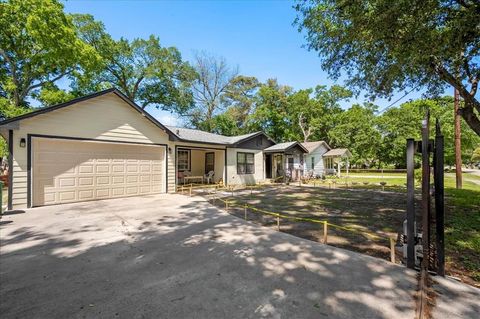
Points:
x=278 y=165
x=268 y=166
x=209 y=162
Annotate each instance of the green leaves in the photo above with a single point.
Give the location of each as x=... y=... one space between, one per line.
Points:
x=38 y=46
x=386 y=46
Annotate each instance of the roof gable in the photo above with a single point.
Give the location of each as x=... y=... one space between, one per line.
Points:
x=76 y=101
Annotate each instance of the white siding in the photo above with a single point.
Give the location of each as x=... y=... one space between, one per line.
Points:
x=317 y=154
x=106 y=117
x=238 y=179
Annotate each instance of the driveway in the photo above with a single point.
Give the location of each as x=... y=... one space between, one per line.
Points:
x=170 y=256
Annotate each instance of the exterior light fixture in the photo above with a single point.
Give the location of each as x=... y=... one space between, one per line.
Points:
x=22 y=142
x=169 y=150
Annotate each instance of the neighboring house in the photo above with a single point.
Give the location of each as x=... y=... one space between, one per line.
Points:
x=314 y=160
x=104 y=146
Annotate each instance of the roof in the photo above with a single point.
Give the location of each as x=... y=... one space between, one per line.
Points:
x=312 y=146
x=47 y=109
x=282 y=147
x=338 y=152
x=193 y=135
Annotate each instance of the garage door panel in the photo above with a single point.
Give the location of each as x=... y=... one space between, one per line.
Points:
x=66 y=171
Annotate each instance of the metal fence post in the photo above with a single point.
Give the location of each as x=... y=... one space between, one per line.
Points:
x=410 y=204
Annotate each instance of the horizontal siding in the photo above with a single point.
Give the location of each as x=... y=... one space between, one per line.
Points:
x=235 y=179
x=107 y=118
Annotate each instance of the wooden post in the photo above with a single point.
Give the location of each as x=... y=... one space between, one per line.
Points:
x=299 y=182
x=190 y=190
x=325 y=232
x=245 y=208
x=251 y=190
x=182 y=189
x=439 y=201
x=392 y=250
x=410 y=204
x=278 y=222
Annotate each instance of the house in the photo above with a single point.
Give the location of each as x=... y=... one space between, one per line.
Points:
x=105 y=146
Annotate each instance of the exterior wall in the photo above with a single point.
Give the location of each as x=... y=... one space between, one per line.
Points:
x=238 y=179
x=319 y=161
x=106 y=117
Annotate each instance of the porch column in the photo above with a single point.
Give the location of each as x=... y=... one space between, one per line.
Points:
x=348 y=164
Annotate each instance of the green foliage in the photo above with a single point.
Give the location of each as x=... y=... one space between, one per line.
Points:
x=398 y=124
x=356 y=131
x=476 y=155
x=38 y=46
x=8 y=110
x=142 y=69
x=385 y=46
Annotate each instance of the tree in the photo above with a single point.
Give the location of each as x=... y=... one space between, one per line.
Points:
x=316 y=115
x=272 y=112
x=214 y=77
x=386 y=45
x=38 y=47
x=476 y=155
x=356 y=130
x=399 y=123
x=142 y=69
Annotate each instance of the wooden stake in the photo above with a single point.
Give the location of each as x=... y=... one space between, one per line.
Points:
x=190 y=190
x=278 y=222
x=325 y=232
x=392 y=250
x=245 y=208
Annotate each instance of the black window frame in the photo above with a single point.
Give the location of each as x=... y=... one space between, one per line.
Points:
x=246 y=165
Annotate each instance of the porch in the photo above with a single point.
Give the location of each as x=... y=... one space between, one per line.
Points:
x=284 y=161
x=335 y=159
x=199 y=165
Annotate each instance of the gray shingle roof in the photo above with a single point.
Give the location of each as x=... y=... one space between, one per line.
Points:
x=312 y=146
x=280 y=147
x=188 y=134
x=338 y=152
x=284 y=147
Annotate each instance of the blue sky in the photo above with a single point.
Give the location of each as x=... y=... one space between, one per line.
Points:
x=256 y=36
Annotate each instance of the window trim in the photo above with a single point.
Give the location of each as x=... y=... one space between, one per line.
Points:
x=206 y=154
x=189 y=160
x=253 y=164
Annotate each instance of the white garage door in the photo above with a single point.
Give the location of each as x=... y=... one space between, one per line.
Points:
x=65 y=171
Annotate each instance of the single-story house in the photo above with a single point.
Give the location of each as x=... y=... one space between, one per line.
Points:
x=104 y=146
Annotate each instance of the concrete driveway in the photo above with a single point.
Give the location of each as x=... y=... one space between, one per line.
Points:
x=170 y=256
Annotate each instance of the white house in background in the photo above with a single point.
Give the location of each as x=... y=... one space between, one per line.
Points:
x=105 y=146
x=314 y=160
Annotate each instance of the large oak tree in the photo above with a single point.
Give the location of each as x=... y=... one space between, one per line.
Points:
x=385 y=46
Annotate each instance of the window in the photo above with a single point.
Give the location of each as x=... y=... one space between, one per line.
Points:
x=245 y=163
x=209 y=162
x=313 y=162
x=183 y=160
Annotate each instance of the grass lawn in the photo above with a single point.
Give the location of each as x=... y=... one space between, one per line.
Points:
x=368 y=210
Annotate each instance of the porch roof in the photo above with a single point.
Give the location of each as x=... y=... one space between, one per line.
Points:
x=284 y=147
x=338 y=152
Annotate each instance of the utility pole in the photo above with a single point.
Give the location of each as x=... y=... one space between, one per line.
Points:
x=458 y=145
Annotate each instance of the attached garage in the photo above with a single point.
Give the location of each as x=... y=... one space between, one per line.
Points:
x=65 y=170
x=96 y=147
